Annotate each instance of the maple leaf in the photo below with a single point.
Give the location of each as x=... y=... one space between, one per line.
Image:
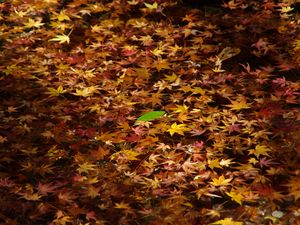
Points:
x=100 y=153
x=174 y=49
x=198 y=90
x=215 y=163
x=66 y=196
x=127 y=154
x=171 y=78
x=86 y=91
x=226 y=162
x=6 y=182
x=85 y=167
x=133 y=2
x=178 y=128
x=213 y=213
x=151 y=6
x=260 y=150
x=92 y=191
x=153 y=183
x=228 y=53
x=45 y=189
x=266 y=162
x=61 y=218
x=220 y=181
x=294 y=187
x=122 y=205
x=33 y=23
x=285 y=9
x=142 y=73
x=45 y=169
x=31 y=196
x=181 y=109
x=295 y=194
x=236 y=196
x=186 y=88
x=161 y=64
x=56 y=92
x=146 y=40
x=3 y=139
x=239 y=104
x=163 y=146
x=227 y=221
x=197 y=132
x=62 y=38
x=158 y=52
x=62 y=16
x=156 y=99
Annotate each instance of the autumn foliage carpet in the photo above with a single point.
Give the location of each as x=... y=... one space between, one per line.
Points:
x=76 y=77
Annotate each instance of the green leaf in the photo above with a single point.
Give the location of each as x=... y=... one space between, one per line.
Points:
x=151 y=116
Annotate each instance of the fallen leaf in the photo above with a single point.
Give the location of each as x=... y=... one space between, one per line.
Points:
x=220 y=181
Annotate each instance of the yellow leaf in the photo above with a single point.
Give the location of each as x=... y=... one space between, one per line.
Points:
x=174 y=49
x=178 y=128
x=198 y=90
x=215 y=163
x=126 y=154
x=260 y=150
x=186 y=88
x=85 y=167
x=235 y=196
x=62 y=16
x=213 y=213
x=86 y=92
x=61 y=38
x=296 y=45
x=285 y=9
x=32 y=197
x=56 y=92
x=131 y=155
x=142 y=73
x=151 y=7
x=220 y=181
x=122 y=205
x=62 y=219
x=97 y=29
x=227 y=221
x=181 y=109
x=133 y=2
x=157 y=52
x=171 y=78
x=153 y=183
x=239 y=104
x=253 y=161
x=33 y=23
x=161 y=64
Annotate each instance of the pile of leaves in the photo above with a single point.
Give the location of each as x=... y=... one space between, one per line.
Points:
x=149 y=112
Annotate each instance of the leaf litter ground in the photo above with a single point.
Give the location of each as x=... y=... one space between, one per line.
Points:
x=144 y=112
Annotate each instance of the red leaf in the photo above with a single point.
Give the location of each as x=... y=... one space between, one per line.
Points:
x=45 y=189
